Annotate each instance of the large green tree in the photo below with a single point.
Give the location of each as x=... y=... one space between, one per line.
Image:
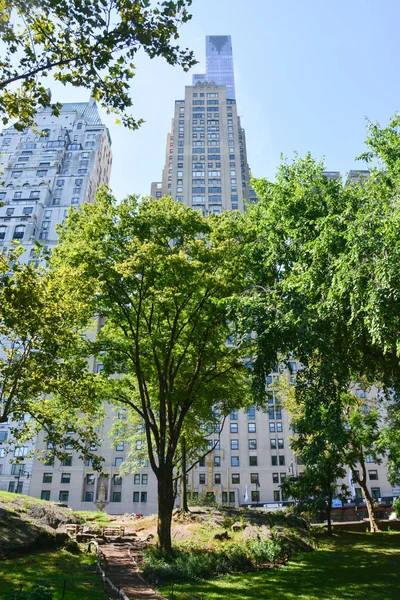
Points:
x=89 y=44
x=159 y=276
x=45 y=382
x=326 y=277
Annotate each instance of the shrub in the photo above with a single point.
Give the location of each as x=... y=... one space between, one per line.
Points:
x=396 y=507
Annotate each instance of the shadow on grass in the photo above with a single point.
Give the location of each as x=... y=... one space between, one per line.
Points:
x=351 y=566
x=52 y=568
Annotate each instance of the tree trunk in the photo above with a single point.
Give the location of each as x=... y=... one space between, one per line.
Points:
x=362 y=481
x=373 y=525
x=184 y=504
x=329 y=519
x=165 y=508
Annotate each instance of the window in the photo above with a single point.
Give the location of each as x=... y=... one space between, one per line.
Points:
x=234 y=415
x=65 y=477
x=136 y=496
x=251 y=427
x=145 y=479
x=273 y=444
x=279 y=427
x=136 y=479
x=274 y=461
x=255 y=496
x=21 y=451
x=376 y=493
x=358 y=493
x=217 y=478
x=63 y=496
x=16 y=174
x=19 y=232
x=119 y=447
x=217 y=461
x=118 y=461
x=234 y=444
x=116 y=497
x=373 y=475
x=27 y=210
x=234 y=461
x=3 y=230
x=47 y=477
x=252 y=444
x=17 y=195
x=277 y=496
x=369 y=458
x=280 y=443
x=235 y=478
x=89 y=479
x=56 y=202
x=254 y=478
x=9 y=212
x=89 y=497
x=60 y=182
x=251 y=413
x=202 y=479
x=143 y=496
x=74 y=200
x=278 y=413
x=234 y=428
x=45 y=495
x=281 y=461
x=253 y=461
x=67 y=462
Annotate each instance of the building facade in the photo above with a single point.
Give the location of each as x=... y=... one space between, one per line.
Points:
x=43 y=172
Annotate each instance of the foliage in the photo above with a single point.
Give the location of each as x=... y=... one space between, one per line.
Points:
x=345 y=566
x=324 y=260
x=190 y=563
x=159 y=276
x=396 y=507
x=88 y=44
x=45 y=380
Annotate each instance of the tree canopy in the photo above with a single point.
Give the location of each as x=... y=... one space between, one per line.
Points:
x=159 y=275
x=89 y=44
x=45 y=382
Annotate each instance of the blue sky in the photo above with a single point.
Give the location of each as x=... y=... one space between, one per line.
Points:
x=308 y=74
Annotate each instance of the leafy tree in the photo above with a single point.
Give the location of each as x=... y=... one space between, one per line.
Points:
x=320 y=438
x=159 y=275
x=88 y=44
x=45 y=383
x=324 y=262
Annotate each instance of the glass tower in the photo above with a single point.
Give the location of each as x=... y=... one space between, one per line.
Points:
x=219 y=63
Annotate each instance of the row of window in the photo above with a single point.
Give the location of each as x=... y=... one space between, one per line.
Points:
x=63 y=496
x=251 y=427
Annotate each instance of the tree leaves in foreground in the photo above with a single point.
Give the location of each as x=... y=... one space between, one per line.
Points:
x=159 y=275
x=89 y=44
x=45 y=383
x=326 y=270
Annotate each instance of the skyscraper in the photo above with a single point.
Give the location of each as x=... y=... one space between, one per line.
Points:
x=219 y=64
x=44 y=171
x=206 y=159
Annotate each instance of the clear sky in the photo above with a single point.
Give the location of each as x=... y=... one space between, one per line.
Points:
x=308 y=74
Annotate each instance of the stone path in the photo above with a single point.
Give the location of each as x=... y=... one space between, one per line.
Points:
x=122 y=569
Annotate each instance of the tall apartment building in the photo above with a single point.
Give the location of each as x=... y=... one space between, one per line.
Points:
x=206 y=158
x=43 y=172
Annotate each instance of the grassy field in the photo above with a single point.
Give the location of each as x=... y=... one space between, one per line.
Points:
x=356 y=566
x=22 y=573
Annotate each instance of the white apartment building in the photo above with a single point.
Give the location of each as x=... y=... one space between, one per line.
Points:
x=43 y=172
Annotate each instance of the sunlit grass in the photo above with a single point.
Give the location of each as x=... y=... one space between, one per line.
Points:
x=52 y=568
x=356 y=566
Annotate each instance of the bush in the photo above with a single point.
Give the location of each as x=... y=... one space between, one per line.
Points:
x=191 y=563
x=396 y=507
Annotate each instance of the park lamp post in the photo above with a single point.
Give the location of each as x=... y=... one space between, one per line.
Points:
x=21 y=473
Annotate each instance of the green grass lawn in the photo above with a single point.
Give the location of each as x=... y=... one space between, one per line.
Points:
x=354 y=566
x=53 y=567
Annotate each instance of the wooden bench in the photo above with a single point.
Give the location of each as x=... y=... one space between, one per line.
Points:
x=114 y=531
